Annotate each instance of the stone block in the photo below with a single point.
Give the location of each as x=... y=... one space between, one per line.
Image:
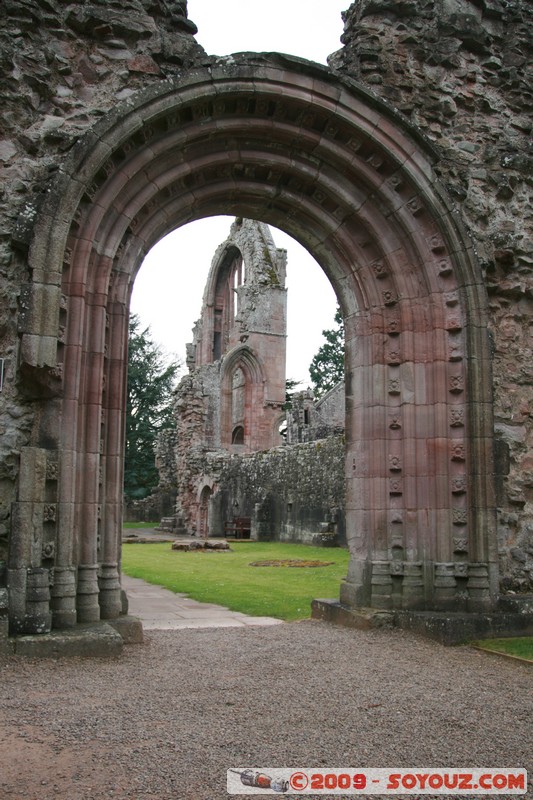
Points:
x=40 y=309
x=129 y=628
x=454 y=628
x=32 y=474
x=516 y=604
x=221 y=545
x=361 y=618
x=38 y=351
x=84 y=641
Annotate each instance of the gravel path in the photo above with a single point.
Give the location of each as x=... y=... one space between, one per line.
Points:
x=168 y=718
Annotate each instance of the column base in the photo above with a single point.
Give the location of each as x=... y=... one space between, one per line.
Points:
x=446 y=627
x=363 y=619
x=87 y=606
x=102 y=639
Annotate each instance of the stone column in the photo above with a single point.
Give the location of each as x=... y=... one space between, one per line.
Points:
x=28 y=583
x=38 y=616
x=63 y=574
x=114 y=401
x=87 y=606
x=88 y=609
x=109 y=597
x=63 y=599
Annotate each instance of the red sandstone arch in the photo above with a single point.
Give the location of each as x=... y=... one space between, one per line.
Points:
x=288 y=143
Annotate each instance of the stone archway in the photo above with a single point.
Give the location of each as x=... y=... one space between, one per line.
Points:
x=203 y=512
x=288 y=143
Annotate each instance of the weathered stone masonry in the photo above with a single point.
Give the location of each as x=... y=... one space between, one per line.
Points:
x=233 y=396
x=231 y=406
x=462 y=72
x=63 y=66
x=292 y=493
x=417 y=208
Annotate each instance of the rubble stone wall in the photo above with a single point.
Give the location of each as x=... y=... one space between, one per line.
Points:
x=462 y=71
x=293 y=493
x=63 y=66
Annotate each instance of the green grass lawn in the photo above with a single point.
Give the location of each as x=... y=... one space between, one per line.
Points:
x=521 y=646
x=226 y=577
x=140 y=524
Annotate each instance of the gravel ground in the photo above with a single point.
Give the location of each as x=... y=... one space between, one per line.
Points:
x=169 y=717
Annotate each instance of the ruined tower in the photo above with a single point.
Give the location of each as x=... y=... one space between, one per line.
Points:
x=232 y=399
x=243 y=328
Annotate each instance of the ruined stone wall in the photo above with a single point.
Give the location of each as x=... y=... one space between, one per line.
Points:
x=162 y=500
x=63 y=65
x=462 y=71
x=195 y=415
x=308 y=420
x=291 y=493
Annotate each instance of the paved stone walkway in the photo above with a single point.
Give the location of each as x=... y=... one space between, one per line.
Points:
x=161 y=609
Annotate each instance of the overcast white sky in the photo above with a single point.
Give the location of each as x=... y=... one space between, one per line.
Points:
x=168 y=290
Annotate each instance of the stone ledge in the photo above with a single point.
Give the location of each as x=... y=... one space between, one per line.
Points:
x=363 y=619
x=129 y=628
x=452 y=628
x=448 y=628
x=516 y=603
x=85 y=641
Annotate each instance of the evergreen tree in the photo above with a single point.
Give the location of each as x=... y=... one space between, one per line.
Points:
x=290 y=388
x=149 y=408
x=327 y=367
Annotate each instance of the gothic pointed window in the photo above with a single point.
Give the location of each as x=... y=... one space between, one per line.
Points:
x=238 y=405
x=226 y=300
x=237 y=437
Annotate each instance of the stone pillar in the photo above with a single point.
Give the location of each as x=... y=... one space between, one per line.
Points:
x=413 y=585
x=16 y=586
x=109 y=596
x=381 y=585
x=4 y=619
x=38 y=618
x=28 y=582
x=479 y=596
x=112 y=477
x=445 y=586
x=87 y=606
x=63 y=597
x=64 y=585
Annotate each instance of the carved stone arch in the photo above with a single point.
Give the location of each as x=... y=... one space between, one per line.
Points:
x=291 y=144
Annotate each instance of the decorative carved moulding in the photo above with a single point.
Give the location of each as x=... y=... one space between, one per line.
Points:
x=395 y=463
x=458 y=451
x=394 y=386
x=459 y=516
x=458 y=484
x=460 y=544
x=456 y=384
x=457 y=417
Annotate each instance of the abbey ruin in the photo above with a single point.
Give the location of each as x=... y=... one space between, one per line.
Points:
x=404 y=167
x=240 y=461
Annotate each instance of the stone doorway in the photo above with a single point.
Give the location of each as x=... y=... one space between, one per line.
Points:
x=290 y=144
x=203 y=512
